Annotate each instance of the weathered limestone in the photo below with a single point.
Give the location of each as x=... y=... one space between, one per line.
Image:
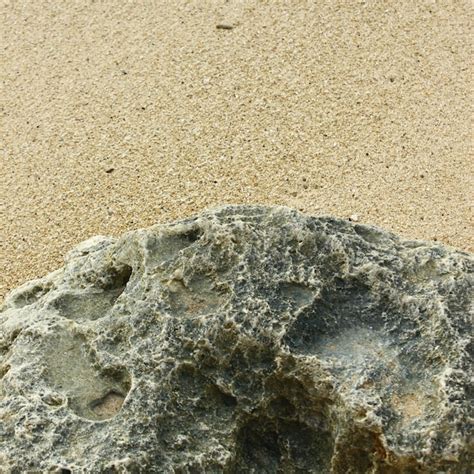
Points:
x=246 y=339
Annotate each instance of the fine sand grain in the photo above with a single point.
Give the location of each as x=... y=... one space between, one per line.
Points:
x=118 y=115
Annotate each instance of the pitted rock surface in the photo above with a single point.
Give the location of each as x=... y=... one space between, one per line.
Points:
x=245 y=339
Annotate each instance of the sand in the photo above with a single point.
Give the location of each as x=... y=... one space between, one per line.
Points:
x=116 y=116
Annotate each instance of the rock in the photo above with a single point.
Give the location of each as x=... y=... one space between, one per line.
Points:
x=246 y=339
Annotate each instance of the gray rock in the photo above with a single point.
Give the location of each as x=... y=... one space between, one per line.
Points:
x=246 y=339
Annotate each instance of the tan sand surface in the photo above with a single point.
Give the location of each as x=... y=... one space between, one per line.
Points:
x=117 y=115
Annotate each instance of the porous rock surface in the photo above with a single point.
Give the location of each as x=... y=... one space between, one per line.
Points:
x=246 y=339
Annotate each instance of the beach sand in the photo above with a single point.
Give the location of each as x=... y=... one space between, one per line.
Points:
x=117 y=116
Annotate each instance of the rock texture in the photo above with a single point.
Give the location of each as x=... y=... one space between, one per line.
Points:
x=246 y=339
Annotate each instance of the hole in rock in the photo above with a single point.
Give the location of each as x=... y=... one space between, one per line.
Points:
x=53 y=400
x=221 y=397
x=258 y=447
x=15 y=333
x=191 y=236
x=359 y=347
x=200 y=296
x=358 y=451
x=108 y=405
x=276 y=445
x=291 y=295
x=30 y=296
x=344 y=305
x=4 y=370
x=91 y=305
x=102 y=396
x=94 y=303
x=72 y=371
x=118 y=278
x=165 y=247
x=281 y=407
x=369 y=234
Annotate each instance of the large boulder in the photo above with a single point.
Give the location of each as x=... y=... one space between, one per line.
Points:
x=245 y=339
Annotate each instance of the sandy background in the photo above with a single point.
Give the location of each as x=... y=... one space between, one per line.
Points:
x=117 y=116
